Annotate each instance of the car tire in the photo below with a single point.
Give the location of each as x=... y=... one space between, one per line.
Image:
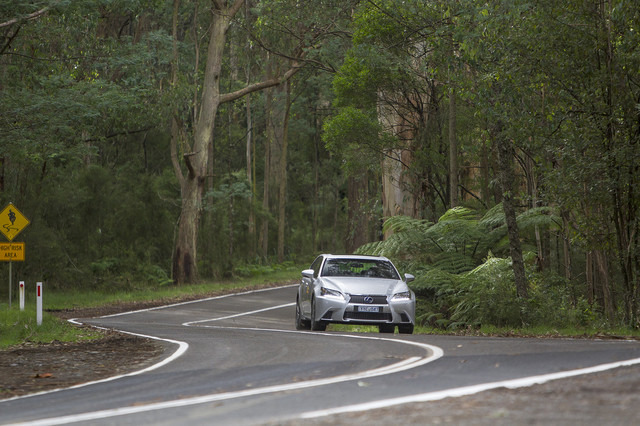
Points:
x=387 y=328
x=316 y=325
x=301 y=324
x=405 y=329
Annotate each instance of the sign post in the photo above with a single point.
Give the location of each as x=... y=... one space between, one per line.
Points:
x=21 y=295
x=12 y=222
x=39 y=303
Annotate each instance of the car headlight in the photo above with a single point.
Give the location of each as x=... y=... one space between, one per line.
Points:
x=405 y=295
x=327 y=292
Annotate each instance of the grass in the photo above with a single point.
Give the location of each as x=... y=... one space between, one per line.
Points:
x=18 y=327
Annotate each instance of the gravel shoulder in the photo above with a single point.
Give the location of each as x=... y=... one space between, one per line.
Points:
x=607 y=398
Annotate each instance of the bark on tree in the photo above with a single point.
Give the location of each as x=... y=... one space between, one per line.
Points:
x=453 y=151
x=358 y=229
x=507 y=177
x=282 y=196
x=266 y=193
x=250 y=176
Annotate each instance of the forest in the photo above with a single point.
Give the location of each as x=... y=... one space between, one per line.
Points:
x=490 y=148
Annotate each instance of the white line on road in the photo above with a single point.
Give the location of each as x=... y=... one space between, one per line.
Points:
x=257 y=311
x=223 y=296
x=467 y=390
x=403 y=365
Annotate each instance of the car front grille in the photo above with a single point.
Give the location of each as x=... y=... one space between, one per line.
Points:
x=367 y=316
x=359 y=298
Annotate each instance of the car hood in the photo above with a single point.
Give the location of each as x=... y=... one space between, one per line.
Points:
x=368 y=286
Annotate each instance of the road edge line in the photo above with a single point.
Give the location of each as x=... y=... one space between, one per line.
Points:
x=468 y=390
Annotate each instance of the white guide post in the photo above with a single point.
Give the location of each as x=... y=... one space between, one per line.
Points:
x=22 y=295
x=39 y=303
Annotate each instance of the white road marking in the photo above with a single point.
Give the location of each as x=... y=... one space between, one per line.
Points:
x=182 y=346
x=394 y=368
x=257 y=311
x=467 y=390
x=403 y=365
x=223 y=296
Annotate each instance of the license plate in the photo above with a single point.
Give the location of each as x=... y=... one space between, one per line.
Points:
x=368 y=308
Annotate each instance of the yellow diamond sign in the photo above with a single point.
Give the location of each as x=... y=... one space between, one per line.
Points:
x=12 y=222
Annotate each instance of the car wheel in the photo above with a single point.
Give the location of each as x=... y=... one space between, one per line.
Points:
x=316 y=325
x=406 y=329
x=301 y=324
x=387 y=328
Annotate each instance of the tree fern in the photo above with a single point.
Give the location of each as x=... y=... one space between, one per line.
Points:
x=458 y=278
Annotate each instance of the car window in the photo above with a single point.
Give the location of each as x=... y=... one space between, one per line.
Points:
x=316 y=266
x=359 y=268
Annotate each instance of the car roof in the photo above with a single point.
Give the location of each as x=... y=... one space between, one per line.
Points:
x=353 y=256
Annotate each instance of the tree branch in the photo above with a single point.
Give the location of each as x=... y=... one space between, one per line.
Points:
x=29 y=17
x=228 y=97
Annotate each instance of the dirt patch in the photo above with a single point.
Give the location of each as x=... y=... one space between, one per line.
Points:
x=32 y=368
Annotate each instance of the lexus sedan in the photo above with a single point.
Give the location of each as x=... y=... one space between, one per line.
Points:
x=355 y=290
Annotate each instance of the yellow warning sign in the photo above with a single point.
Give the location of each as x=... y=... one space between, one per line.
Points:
x=12 y=252
x=12 y=222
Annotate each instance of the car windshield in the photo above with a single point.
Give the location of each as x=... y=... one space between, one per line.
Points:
x=373 y=268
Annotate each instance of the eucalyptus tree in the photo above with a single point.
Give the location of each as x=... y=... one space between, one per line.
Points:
x=191 y=161
x=405 y=70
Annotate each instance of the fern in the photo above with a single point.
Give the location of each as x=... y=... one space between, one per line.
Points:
x=541 y=217
x=458 y=279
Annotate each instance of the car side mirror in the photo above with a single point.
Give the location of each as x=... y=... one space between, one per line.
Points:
x=308 y=273
x=408 y=278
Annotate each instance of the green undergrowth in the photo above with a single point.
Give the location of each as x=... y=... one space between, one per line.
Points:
x=74 y=299
x=537 y=332
x=491 y=331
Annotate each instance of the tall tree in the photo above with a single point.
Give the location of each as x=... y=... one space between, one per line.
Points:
x=192 y=180
x=307 y=30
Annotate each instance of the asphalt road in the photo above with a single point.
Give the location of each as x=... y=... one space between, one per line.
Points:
x=237 y=359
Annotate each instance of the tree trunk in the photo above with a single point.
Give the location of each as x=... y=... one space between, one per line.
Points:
x=589 y=277
x=316 y=184
x=264 y=231
x=192 y=185
x=453 y=151
x=282 y=196
x=249 y=151
x=507 y=178
x=605 y=286
x=185 y=268
x=358 y=228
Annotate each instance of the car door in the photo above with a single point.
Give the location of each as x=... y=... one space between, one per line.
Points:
x=306 y=288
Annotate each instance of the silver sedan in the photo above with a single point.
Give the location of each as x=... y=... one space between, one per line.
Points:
x=355 y=290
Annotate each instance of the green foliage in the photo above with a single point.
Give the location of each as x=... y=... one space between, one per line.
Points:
x=488 y=296
x=461 y=283
x=357 y=136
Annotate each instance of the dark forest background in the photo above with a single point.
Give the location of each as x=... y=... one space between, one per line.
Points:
x=491 y=148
